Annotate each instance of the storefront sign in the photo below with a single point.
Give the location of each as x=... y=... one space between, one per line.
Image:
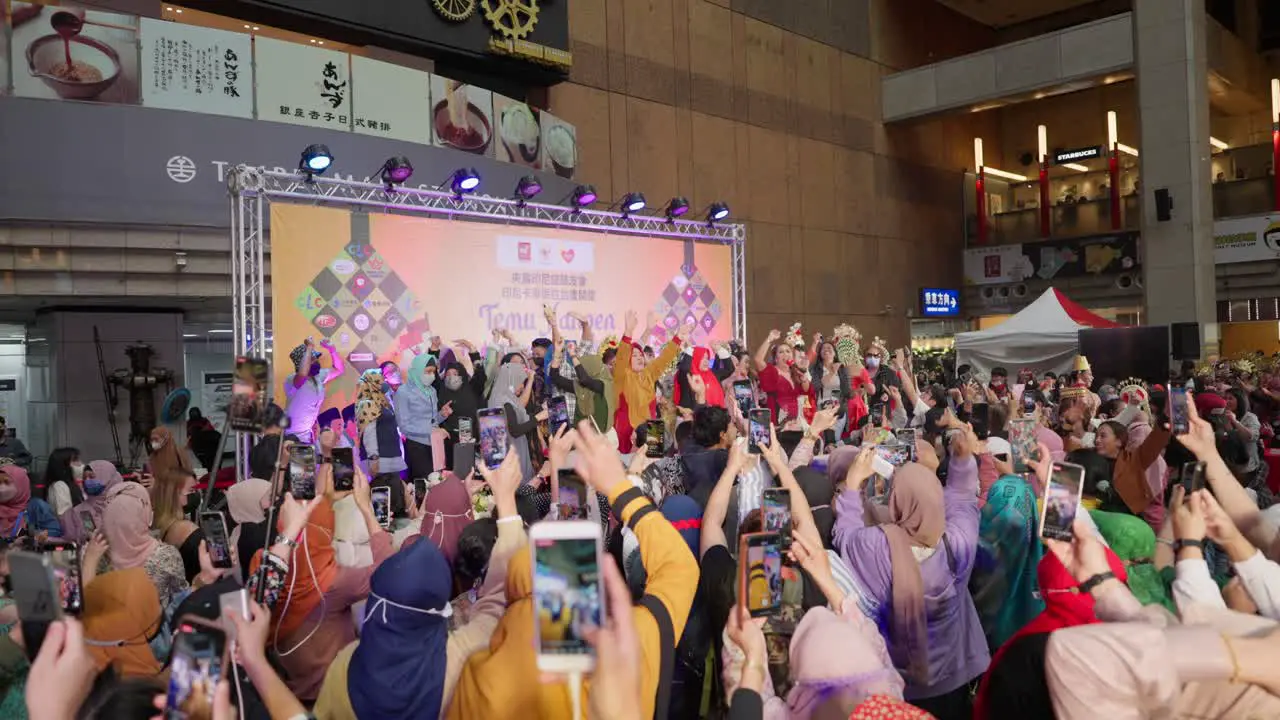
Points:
x=390 y=100
x=186 y=67
x=302 y=85
x=1076 y=155
x=995 y=265
x=940 y=302
x=1246 y=239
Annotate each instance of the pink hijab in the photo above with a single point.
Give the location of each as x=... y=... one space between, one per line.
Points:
x=830 y=652
x=12 y=510
x=72 y=527
x=445 y=512
x=126 y=521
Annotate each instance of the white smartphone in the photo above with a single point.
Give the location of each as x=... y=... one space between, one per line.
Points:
x=568 y=593
x=237 y=601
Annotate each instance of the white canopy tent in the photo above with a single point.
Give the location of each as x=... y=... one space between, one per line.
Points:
x=1041 y=337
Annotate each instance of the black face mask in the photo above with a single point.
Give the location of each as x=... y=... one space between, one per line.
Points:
x=539 y=361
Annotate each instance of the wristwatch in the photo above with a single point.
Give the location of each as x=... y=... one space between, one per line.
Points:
x=1178 y=545
x=1088 y=585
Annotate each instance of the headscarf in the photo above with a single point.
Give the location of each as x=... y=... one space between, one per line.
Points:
x=1134 y=542
x=446 y=511
x=126 y=522
x=509 y=377
x=916 y=518
x=715 y=393
x=104 y=472
x=297 y=354
x=818 y=492
x=831 y=653
x=370 y=399
x=416 y=369
x=1003 y=580
x=244 y=504
x=121 y=613
x=1051 y=440
x=11 y=511
x=398 y=668
x=839 y=462
x=169 y=457
x=307 y=582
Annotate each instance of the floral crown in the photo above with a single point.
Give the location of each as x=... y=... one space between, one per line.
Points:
x=793 y=336
x=880 y=345
x=610 y=341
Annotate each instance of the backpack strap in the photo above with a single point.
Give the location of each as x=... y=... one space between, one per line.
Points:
x=667 y=650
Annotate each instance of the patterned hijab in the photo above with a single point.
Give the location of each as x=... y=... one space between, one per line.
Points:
x=370 y=399
x=1003 y=583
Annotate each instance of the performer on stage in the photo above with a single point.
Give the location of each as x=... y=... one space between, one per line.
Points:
x=304 y=391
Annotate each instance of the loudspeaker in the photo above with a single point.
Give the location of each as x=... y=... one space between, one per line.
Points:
x=1164 y=205
x=1185 y=341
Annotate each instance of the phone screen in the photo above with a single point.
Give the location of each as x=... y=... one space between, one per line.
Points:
x=907 y=438
x=876 y=415
x=980 y=419
x=215 y=538
x=744 y=396
x=248 y=394
x=381 y=499
x=654 y=442
x=1061 y=501
x=760 y=560
x=557 y=413
x=758 y=426
x=493 y=437
x=573 y=496
x=65 y=559
x=1022 y=438
x=236 y=601
x=465 y=432
x=566 y=592
x=1193 y=476
x=1028 y=401
x=87 y=524
x=776 y=511
x=344 y=469
x=895 y=455
x=1178 y=419
x=195 y=671
x=464 y=459
x=302 y=471
x=34 y=586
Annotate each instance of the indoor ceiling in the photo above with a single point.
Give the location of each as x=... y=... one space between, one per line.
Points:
x=1002 y=13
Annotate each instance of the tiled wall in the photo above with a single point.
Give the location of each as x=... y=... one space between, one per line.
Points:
x=774 y=108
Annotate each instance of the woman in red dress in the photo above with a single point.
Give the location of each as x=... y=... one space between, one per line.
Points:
x=783 y=381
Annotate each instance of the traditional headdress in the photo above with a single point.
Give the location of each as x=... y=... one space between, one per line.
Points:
x=793 y=336
x=1073 y=392
x=848 y=342
x=879 y=344
x=1081 y=364
x=1134 y=392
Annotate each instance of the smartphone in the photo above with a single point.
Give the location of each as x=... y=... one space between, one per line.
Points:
x=760 y=573
x=465 y=432
x=557 y=413
x=1028 y=401
x=572 y=498
x=980 y=419
x=876 y=415
x=882 y=467
x=1022 y=438
x=493 y=436
x=381 y=499
x=744 y=395
x=87 y=524
x=197 y=660
x=1193 y=477
x=216 y=539
x=1179 y=421
x=907 y=438
x=464 y=459
x=34 y=587
x=344 y=469
x=568 y=595
x=655 y=445
x=758 y=427
x=1061 y=501
x=775 y=507
x=248 y=394
x=236 y=601
x=302 y=471
x=65 y=559
x=829 y=404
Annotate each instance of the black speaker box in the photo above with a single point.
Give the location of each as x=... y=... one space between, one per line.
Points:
x=1185 y=341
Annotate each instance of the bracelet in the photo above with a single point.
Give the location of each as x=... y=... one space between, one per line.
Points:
x=1181 y=544
x=1235 y=662
x=508 y=518
x=1165 y=541
x=1088 y=585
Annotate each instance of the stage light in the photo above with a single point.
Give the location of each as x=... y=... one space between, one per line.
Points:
x=315 y=159
x=632 y=202
x=528 y=187
x=396 y=170
x=676 y=207
x=717 y=212
x=464 y=180
x=584 y=195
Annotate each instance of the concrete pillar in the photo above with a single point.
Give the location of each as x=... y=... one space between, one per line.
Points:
x=1173 y=102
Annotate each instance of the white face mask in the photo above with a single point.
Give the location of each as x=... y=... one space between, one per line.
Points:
x=157 y=444
x=77 y=470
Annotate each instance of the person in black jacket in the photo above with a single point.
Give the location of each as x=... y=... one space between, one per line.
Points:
x=462 y=383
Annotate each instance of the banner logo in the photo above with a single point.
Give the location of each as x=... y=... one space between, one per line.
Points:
x=181 y=169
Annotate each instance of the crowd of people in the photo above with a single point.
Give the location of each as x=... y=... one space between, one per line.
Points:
x=915 y=582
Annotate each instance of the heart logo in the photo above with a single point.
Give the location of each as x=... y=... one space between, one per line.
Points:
x=567 y=255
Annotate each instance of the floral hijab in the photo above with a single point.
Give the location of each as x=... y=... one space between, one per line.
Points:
x=370 y=398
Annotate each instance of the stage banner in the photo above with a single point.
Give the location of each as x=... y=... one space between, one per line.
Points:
x=1246 y=239
x=302 y=84
x=391 y=101
x=376 y=285
x=187 y=67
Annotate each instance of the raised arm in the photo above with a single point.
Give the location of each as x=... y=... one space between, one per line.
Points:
x=761 y=358
x=304 y=370
x=718 y=503
x=335 y=362
x=849 y=518
x=656 y=369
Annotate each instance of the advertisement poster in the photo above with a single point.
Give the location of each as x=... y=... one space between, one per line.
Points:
x=391 y=101
x=995 y=265
x=375 y=290
x=73 y=54
x=461 y=116
x=560 y=146
x=215 y=395
x=186 y=67
x=519 y=132
x=303 y=85
x=1246 y=239
x=1085 y=256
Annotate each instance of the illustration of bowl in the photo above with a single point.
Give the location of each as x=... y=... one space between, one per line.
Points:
x=519 y=132
x=95 y=66
x=473 y=139
x=563 y=150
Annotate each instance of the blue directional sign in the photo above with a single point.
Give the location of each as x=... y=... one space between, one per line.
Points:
x=940 y=302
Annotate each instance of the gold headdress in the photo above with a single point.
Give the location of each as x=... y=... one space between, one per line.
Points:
x=879 y=344
x=848 y=342
x=793 y=336
x=1081 y=364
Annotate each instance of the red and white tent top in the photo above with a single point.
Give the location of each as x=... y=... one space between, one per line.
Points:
x=1041 y=337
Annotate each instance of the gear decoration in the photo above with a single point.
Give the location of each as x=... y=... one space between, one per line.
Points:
x=454 y=10
x=512 y=19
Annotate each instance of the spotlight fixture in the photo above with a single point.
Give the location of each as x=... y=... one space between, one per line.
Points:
x=315 y=160
x=583 y=195
x=528 y=188
x=718 y=211
x=396 y=170
x=676 y=207
x=463 y=181
x=632 y=202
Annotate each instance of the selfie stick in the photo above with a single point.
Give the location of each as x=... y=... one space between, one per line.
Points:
x=217 y=464
x=277 y=490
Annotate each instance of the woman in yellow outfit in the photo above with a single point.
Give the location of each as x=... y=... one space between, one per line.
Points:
x=634 y=382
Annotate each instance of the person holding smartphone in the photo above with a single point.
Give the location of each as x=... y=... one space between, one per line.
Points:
x=592 y=381
x=461 y=388
x=512 y=388
x=781 y=380
x=379 y=434
x=420 y=414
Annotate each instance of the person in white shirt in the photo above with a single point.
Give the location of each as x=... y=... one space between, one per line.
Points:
x=61 y=484
x=304 y=391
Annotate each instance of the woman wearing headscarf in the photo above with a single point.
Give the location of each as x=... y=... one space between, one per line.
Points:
x=247 y=503
x=19 y=512
x=420 y=414
x=511 y=389
x=634 y=380
x=1131 y=539
x=1003 y=584
x=408 y=658
x=99 y=477
x=378 y=429
x=122 y=612
x=126 y=523
x=446 y=512
x=165 y=455
x=915 y=568
x=700 y=364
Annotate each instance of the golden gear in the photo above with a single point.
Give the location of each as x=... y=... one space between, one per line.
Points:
x=454 y=10
x=512 y=19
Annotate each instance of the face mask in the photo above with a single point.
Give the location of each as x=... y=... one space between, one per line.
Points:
x=191 y=505
x=537 y=361
x=453 y=382
x=77 y=470
x=93 y=486
x=998 y=382
x=873 y=362
x=429 y=378
x=157 y=444
x=7 y=493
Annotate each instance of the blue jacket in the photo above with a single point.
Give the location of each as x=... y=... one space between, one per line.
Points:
x=418 y=413
x=38 y=516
